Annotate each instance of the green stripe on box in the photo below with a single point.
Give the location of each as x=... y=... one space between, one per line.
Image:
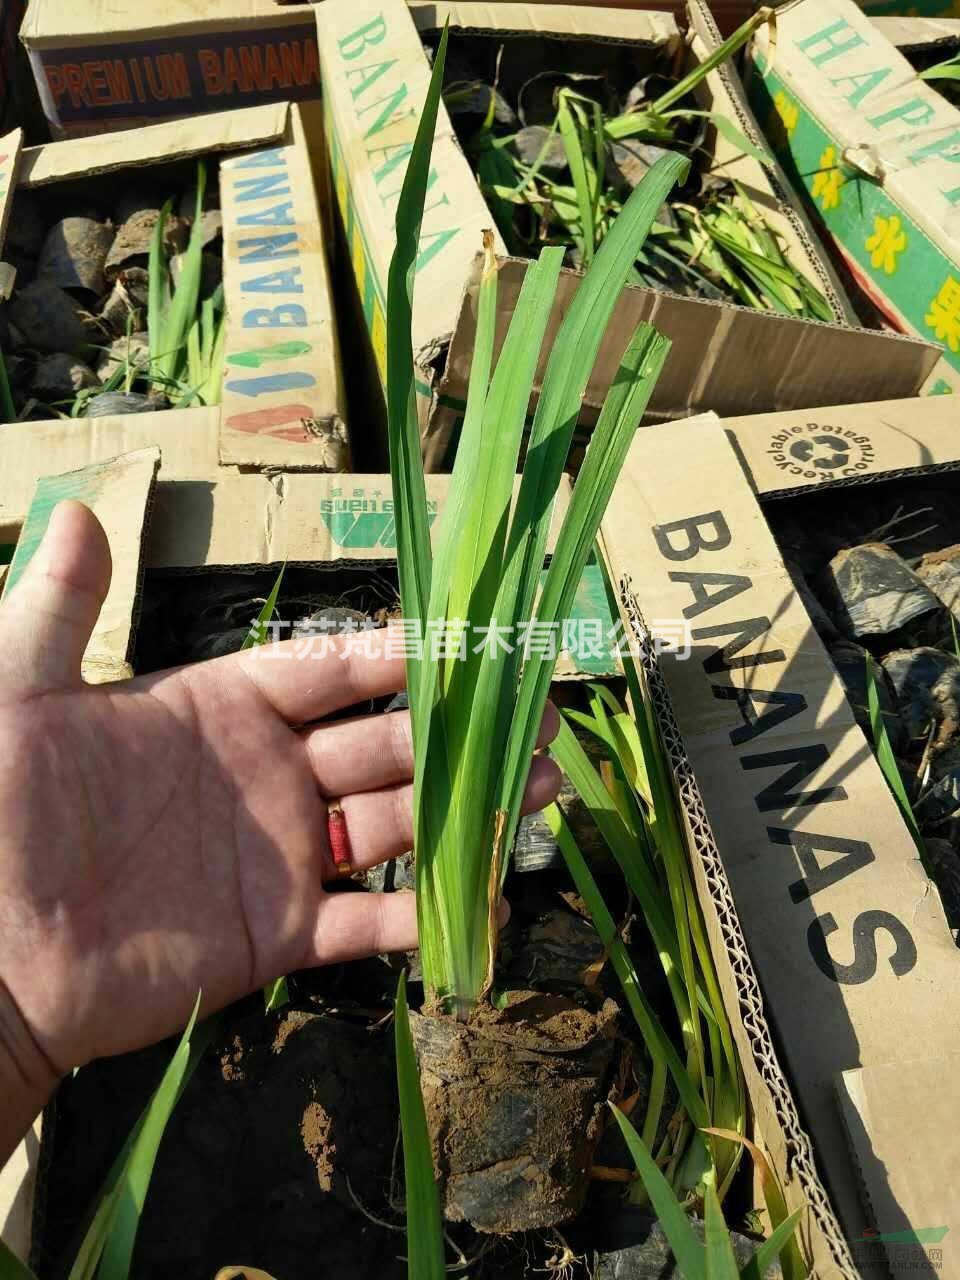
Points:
x=85 y=486
x=898 y=258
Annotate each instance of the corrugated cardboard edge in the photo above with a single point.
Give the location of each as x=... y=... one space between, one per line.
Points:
x=886 y=439
x=775 y=1114
x=219 y=131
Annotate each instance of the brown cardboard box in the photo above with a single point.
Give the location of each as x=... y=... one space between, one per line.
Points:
x=803 y=847
x=283 y=402
x=114 y=64
x=372 y=103
x=729 y=359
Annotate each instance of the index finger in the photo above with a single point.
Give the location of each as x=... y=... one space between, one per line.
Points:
x=308 y=679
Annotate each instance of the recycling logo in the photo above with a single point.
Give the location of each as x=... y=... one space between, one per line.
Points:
x=819 y=451
x=822 y=451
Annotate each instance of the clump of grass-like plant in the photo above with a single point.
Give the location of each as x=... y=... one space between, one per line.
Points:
x=475 y=715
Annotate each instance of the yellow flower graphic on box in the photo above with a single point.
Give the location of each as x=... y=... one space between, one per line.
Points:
x=783 y=120
x=887 y=243
x=944 y=314
x=828 y=180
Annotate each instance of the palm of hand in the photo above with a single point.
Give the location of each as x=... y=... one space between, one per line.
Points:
x=169 y=834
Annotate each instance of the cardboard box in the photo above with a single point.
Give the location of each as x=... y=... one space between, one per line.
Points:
x=873 y=148
x=792 y=364
x=119 y=64
x=283 y=402
x=372 y=104
x=814 y=877
x=118 y=491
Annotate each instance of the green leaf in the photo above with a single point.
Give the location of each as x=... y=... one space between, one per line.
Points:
x=689 y=1253
x=725 y=126
x=107 y=1247
x=887 y=760
x=258 y=633
x=721 y=1261
x=11 y=1268
x=780 y=1240
x=276 y=995
x=425 y=1254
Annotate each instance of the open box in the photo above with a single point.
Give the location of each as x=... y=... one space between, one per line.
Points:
x=836 y=941
x=282 y=400
x=872 y=149
x=372 y=104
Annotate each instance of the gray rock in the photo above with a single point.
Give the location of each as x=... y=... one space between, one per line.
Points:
x=941 y=801
x=631 y=161
x=60 y=377
x=556 y=952
x=131 y=244
x=850 y=660
x=48 y=319
x=646 y=1255
x=529 y=142
x=332 y=620
x=926 y=682
x=137 y=350
x=399 y=873
x=74 y=252
x=872 y=592
x=940 y=570
x=117 y=404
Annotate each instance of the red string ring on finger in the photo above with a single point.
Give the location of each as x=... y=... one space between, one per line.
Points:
x=339 y=837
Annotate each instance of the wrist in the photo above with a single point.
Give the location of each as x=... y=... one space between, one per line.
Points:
x=27 y=1078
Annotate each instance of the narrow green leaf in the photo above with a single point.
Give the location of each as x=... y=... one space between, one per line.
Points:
x=258 y=628
x=690 y=1254
x=107 y=1249
x=425 y=1253
x=276 y=995
x=11 y=1268
x=887 y=760
x=721 y=1261
x=776 y=1243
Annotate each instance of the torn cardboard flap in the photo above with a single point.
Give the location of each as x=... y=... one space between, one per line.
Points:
x=244 y=520
x=188 y=440
x=118 y=492
x=848 y=937
x=787 y=453
x=900 y=1120
x=156 y=143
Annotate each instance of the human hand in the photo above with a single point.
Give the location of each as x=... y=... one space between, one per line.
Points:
x=169 y=833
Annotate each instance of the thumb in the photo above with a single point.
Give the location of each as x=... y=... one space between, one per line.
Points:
x=47 y=619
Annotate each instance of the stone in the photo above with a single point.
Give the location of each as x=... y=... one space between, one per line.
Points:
x=926 y=682
x=645 y=1254
x=872 y=592
x=941 y=801
x=850 y=660
x=60 y=377
x=136 y=349
x=117 y=403
x=48 y=319
x=74 y=253
x=529 y=142
x=940 y=570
